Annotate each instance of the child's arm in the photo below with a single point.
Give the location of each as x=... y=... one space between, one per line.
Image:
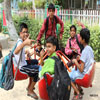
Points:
x=41 y=57
x=80 y=24
x=26 y=42
x=42 y=30
x=80 y=67
x=62 y=27
x=68 y=50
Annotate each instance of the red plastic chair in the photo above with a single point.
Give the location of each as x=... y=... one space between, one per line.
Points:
x=87 y=79
x=42 y=87
x=19 y=75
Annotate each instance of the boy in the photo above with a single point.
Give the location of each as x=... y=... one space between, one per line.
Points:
x=87 y=58
x=51 y=47
x=24 y=65
x=72 y=46
x=50 y=29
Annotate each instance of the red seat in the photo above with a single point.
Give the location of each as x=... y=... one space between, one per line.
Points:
x=87 y=79
x=42 y=87
x=19 y=75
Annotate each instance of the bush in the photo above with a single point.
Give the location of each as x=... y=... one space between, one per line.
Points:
x=25 y=5
x=33 y=25
x=40 y=3
x=0 y=24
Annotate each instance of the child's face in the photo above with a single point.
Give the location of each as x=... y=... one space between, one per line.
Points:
x=51 y=13
x=24 y=34
x=72 y=32
x=50 y=48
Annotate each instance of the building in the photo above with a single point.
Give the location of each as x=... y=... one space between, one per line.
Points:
x=82 y=4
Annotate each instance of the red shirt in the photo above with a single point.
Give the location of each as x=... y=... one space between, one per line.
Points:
x=51 y=28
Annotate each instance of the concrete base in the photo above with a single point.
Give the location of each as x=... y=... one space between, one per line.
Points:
x=4 y=42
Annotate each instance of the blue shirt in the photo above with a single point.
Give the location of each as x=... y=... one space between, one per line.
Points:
x=87 y=57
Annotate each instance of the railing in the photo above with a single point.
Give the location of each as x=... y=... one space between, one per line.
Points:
x=87 y=16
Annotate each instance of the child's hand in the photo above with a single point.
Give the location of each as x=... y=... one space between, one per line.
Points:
x=74 y=61
x=60 y=37
x=79 y=23
x=42 y=53
x=28 y=42
x=75 y=50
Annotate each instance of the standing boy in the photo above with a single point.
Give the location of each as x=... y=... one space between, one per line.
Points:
x=24 y=66
x=49 y=25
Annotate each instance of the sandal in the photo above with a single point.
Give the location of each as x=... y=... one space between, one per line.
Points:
x=81 y=92
x=33 y=95
x=77 y=97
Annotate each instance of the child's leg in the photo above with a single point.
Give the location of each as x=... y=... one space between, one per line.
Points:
x=75 y=88
x=30 y=81
x=31 y=85
x=31 y=88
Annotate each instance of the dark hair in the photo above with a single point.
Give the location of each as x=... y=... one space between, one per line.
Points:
x=73 y=26
x=23 y=25
x=53 y=40
x=51 y=6
x=85 y=34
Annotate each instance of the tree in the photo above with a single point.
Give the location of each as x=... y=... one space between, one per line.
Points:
x=1 y=1
x=10 y=24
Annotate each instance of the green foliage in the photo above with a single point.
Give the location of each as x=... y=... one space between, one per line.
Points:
x=0 y=24
x=40 y=3
x=33 y=25
x=1 y=1
x=25 y=5
x=94 y=41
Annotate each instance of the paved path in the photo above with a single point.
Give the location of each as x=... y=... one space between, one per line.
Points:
x=19 y=91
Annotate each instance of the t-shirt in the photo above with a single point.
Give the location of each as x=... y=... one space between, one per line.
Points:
x=17 y=56
x=87 y=57
x=49 y=65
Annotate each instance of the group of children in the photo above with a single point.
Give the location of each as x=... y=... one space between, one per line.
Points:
x=51 y=48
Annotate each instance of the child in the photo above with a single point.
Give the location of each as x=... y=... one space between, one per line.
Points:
x=50 y=29
x=24 y=65
x=87 y=58
x=72 y=46
x=51 y=47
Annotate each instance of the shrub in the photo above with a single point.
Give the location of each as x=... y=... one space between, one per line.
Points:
x=33 y=25
x=25 y=5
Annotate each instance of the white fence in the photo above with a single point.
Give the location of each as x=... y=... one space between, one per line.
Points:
x=87 y=16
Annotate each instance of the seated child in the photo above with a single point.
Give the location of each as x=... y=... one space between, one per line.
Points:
x=48 y=65
x=24 y=65
x=73 y=43
x=87 y=58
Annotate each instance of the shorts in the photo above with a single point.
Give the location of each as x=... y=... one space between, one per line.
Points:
x=31 y=69
x=75 y=74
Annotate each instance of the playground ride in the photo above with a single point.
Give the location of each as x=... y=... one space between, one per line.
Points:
x=85 y=82
x=19 y=75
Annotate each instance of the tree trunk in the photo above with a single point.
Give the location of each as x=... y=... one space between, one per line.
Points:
x=10 y=25
x=33 y=1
